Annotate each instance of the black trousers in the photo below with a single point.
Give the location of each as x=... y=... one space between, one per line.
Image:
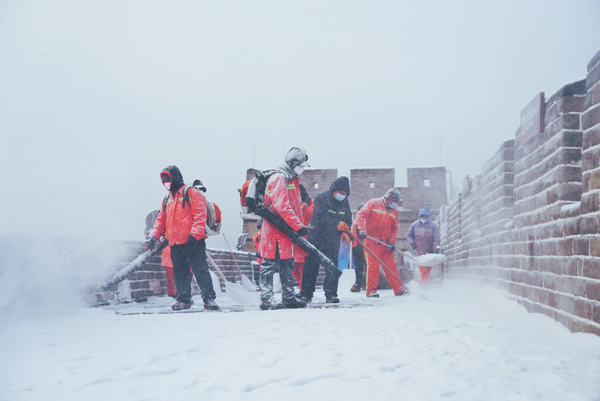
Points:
x=185 y=256
x=358 y=255
x=311 y=271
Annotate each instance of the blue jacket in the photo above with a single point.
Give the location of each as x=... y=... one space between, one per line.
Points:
x=426 y=236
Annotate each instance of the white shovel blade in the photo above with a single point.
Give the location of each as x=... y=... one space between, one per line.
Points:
x=430 y=259
x=276 y=283
x=248 y=284
x=347 y=280
x=215 y=283
x=239 y=294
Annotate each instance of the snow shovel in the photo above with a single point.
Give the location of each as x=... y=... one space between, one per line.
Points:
x=215 y=283
x=348 y=277
x=344 y=227
x=135 y=265
x=245 y=280
x=235 y=291
x=430 y=259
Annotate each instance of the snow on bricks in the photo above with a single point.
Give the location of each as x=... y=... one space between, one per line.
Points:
x=530 y=222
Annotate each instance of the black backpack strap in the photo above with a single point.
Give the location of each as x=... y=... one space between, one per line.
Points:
x=186 y=196
x=164 y=208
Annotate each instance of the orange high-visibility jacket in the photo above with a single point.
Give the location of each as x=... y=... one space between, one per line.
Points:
x=283 y=198
x=378 y=221
x=179 y=221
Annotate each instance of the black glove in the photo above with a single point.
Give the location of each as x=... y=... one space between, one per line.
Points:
x=192 y=241
x=414 y=246
x=392 y=247
x=302 y=231
x=361 y=234
x=151 y=243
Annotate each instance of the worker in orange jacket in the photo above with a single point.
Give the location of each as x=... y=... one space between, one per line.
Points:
x=282 y=197
x=379 y=219
x=182 y=219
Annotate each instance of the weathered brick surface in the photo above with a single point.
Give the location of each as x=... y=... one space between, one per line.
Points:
x=530 y=223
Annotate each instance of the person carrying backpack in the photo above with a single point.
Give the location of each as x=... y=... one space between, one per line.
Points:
x=282 y=197
x=182 y=218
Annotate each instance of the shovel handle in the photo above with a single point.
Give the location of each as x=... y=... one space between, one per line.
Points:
x=383 y=243
x=376 y=257
x=212 y=262
x=233 y=257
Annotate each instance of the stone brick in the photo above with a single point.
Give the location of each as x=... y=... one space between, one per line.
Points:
x=563 y=284
x=591 y=137
x=593 y=61
x=553 y=299
x=565 y=247
x=595 y=246
x=591 y=268
x=593 y=77
x=567 y=304
x=570 y=266
x=578 y=286
x=550 y=281
x=581 y=246
x=592 y=291
x=590 y=328
x=582 y=309
x=588 y=225
x=591 y=117
x=590 y=202
x=571 y=227
x=594 y=180
x=596 y=316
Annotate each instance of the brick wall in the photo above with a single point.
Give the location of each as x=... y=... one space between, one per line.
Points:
x=151 y=280
x=529 y=223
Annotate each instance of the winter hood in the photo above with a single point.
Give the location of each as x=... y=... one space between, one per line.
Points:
x=176 y=178
x=341 y=184
x=424 y=212
x=294 y=157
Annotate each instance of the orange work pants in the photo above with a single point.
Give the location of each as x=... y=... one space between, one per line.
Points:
x=387 y=257
x=425 y=272
x=297 y=273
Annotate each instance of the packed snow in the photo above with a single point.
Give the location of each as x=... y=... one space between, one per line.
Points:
x=457 y=341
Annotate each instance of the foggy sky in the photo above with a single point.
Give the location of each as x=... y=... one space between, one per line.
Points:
x=97 y=97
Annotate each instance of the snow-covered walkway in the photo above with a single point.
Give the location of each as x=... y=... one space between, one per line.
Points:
x=458 y=342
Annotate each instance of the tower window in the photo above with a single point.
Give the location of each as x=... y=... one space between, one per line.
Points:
x=426 y=183
x=372 y=185
x=316 y=185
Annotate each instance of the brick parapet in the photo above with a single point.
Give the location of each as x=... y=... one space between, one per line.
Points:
x=544 y=249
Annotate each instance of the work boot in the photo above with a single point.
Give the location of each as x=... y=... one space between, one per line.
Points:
x=182 y=305
x=268 y=304
x=211 y=305
x=294 y=303
x=355 y=288
x=374 y=294
x=332 y=300
x=403 y=292
x=304 y=299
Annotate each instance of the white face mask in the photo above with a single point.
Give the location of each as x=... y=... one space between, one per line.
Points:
x=167 y=185
x=393 y=205
x=298 y=170
x=423 y=221
x=340 y=197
